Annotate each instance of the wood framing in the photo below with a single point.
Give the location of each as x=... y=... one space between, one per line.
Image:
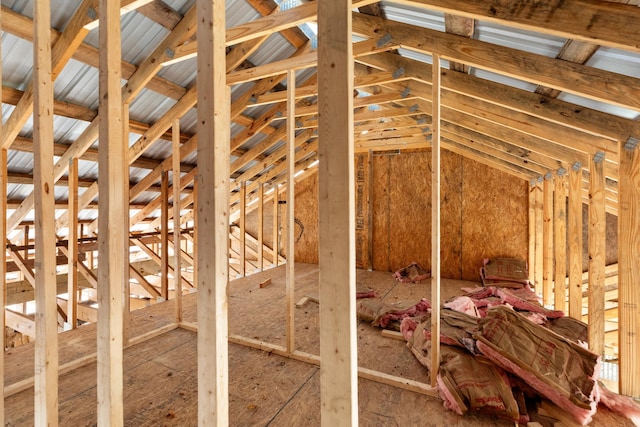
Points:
x=212 y=220
x=46 y=348
x=574 y=232
x=547 y=240
x=338 y=350
x=597 y=238
x=72 y=250
x=291 y=196
x=560 y=240
x=629 y=259
x=260 y=226
x=242 y=220
x=435 y=222
x=113 y=207
x=164 y=236
x=177 y=235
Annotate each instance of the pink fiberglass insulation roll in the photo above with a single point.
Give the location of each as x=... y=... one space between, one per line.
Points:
x=557 y=368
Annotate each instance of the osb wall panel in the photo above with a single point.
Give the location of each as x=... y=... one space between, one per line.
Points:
x=483 y=214
x=306 y=215
x=494 y=217
x=401 y=203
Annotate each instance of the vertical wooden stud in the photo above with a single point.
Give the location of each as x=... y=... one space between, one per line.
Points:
x=537 y=268
x=547 y=240
x=260 y=191
x=370 y=209
x=338 y=340
x=574 y=230
x=164 y=235
x=275 y=225
x=126 y=286
x=194 y=243
x=628 y=272
x=46 y=345
x=114 y=191
x=72 y=248
x=177 y=236
x=435 y=222
x=242 y=222
x=3 y=255
x=291 y=171
x=212 y=224
x=560 y=240
x=597 y=250
x=532 y=231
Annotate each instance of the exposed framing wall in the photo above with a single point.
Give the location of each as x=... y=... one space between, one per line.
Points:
x=480 y=206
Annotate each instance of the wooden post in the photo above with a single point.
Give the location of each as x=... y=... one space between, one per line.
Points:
x=435 y=222
x=291 y=170
x=242 y=222
x=72 y=248
x=532 y=232
x=212 y=225
x=260 y=191
x=126 y=286
x=547 y=240
x=597 y=251
x=177 y=236
x=539 y=260
x=574 y=230
x=164 y=235
x=370 y=210
x=560 y=240
x=4 y=179
x=628 y=272
x=274 y=229
x=46 y=346
x=114 y=200
x=338 y=339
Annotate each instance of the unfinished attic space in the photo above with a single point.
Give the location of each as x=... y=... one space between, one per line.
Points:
x=329 y=212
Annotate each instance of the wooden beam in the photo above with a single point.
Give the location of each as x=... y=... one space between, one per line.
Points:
x=597 y=252
x=72 y=239
x=295 y=36
x=20 y=322
x=547 y=241
x=260 y=203
x=164 y=237
x=338 y=340
x=531 y=251
x=113 y=210
x=562 y=75
x=550 y=109
x=46 y=346
x=242 y=250
x=574 y=230
x=3 y=251
x=435 y=224
x=177 y=235
x=560 y=240
x=606 y=24
x=291 y=196
x=628 y=261
x=275 y=224
x=212 y=220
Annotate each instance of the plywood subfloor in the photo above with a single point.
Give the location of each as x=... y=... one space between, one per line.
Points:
x=160 y=374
